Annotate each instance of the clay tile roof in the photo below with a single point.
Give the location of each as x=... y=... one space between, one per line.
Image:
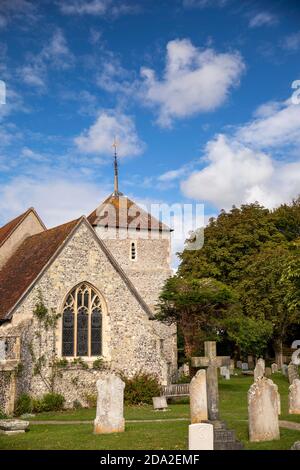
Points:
x=9 y=228
x=121 y=212
x=27 y=262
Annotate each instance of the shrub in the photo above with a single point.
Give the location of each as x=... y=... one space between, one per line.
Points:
x=23 y=405
x=37 y=405
x=77 y=405
x=53 y=402
x=98 y=364
x=91 y=400
x=3 y=415
x=141 y=388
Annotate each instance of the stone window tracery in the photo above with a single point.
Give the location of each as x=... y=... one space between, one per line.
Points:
x=82 y=323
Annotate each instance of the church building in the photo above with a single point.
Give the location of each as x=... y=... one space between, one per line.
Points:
x=80 y=298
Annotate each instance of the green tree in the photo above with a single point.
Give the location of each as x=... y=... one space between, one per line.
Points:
x=198 y=306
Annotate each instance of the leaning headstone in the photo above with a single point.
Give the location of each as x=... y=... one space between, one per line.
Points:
x=160 y=403
x=296 y=446
x=13 y=426
x=274 y=368
x=239 y=364
x=292 y=372
x=268 y=372
x=294 y=398
x=201 y=436
x=259 y=370
x=198 y=397
x=110 y=405
x=2 y=350
x=263 y=411
x=245 y=366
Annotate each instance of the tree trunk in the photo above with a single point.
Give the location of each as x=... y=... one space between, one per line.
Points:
x=277 y=345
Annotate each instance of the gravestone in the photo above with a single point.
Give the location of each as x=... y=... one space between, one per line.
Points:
x=292 y=372
x=239 y=364
x=211 y=361
x=231 y=366
x=259 y=370
x=2 y=350
x=284 y=370
x=227 y=374
x=224 y=371
x=263 y=409
x=110 y=405
x=294 y=398
x=274 y=368
x=245 y=366
x=201 y=436
x=13 y=426
x=198 y=397
x=296 y=446
x=224 y=439
x=160 y=403
x=186 y=369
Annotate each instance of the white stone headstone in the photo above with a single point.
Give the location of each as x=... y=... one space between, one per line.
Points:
x=274 y=368
x=198 y=397
x=263 y=410
x=160 y=403
x=201 y=436
x=110 y=405
x=259 y=370
x=2 y=350
x=227 y=375
x=284 y=369
x=245 y=366
x=294 y=397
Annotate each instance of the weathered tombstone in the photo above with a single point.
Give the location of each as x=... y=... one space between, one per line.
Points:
x=223 y=371
x=268 y=372
x=160 y=403
x=2 y=350
x=231 y=366
x=296 y=446
x=239 y=364
x=186 y=369
x=284 y=370
x=198 y=397
x=110 y=405
x=212 y=362
x=13 y=426
x=263 y=411
x=201 y=436
x=245 y=366
x=274 y=368
x=259 y=370
x=292 y=372
x=227 y=375
x=250 y=362
x=261 y=362
x=294 y=398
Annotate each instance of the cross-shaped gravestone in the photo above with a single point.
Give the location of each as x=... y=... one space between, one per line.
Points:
x=212 y=362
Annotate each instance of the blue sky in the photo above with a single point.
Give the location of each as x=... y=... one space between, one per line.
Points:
x=198 y=93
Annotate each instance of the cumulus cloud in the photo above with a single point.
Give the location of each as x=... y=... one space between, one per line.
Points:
x=194 y=81
x=291 y=43
x=56 y=199
x=263 y=18
x=242 y=168
x=99 y=137
x=19 y=10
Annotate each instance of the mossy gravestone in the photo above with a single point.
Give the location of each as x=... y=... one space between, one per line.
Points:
x=110 y=405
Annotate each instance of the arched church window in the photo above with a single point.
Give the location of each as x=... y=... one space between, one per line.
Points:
x=133 y=252
x=82 y=323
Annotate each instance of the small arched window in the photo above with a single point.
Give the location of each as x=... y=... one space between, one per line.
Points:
x=82 y=323
x=133 y=251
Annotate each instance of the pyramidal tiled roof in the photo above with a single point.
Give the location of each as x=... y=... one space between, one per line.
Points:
x=119 y=211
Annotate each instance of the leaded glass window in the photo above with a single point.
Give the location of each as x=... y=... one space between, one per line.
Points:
x=82 y=323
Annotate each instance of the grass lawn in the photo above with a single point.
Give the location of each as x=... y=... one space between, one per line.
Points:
x=155 y=436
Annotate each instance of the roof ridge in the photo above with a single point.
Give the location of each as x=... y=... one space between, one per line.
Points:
x=16 y=222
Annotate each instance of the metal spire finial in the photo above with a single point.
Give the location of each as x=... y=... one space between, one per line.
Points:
x=116 y=178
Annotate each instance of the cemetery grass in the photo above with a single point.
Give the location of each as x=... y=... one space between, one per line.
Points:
x=159 y=435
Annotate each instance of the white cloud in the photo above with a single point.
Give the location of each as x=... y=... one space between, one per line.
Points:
x=263 y=18
x=96 y=7
x=204 y=3
x=19 y=10
x=99 y=137
x=57 y=200
x=291 y=43
x=241 y=168
x=55 y=54
x=194 y=81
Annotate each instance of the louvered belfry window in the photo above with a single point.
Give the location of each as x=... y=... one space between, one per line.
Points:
x=82 y=323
